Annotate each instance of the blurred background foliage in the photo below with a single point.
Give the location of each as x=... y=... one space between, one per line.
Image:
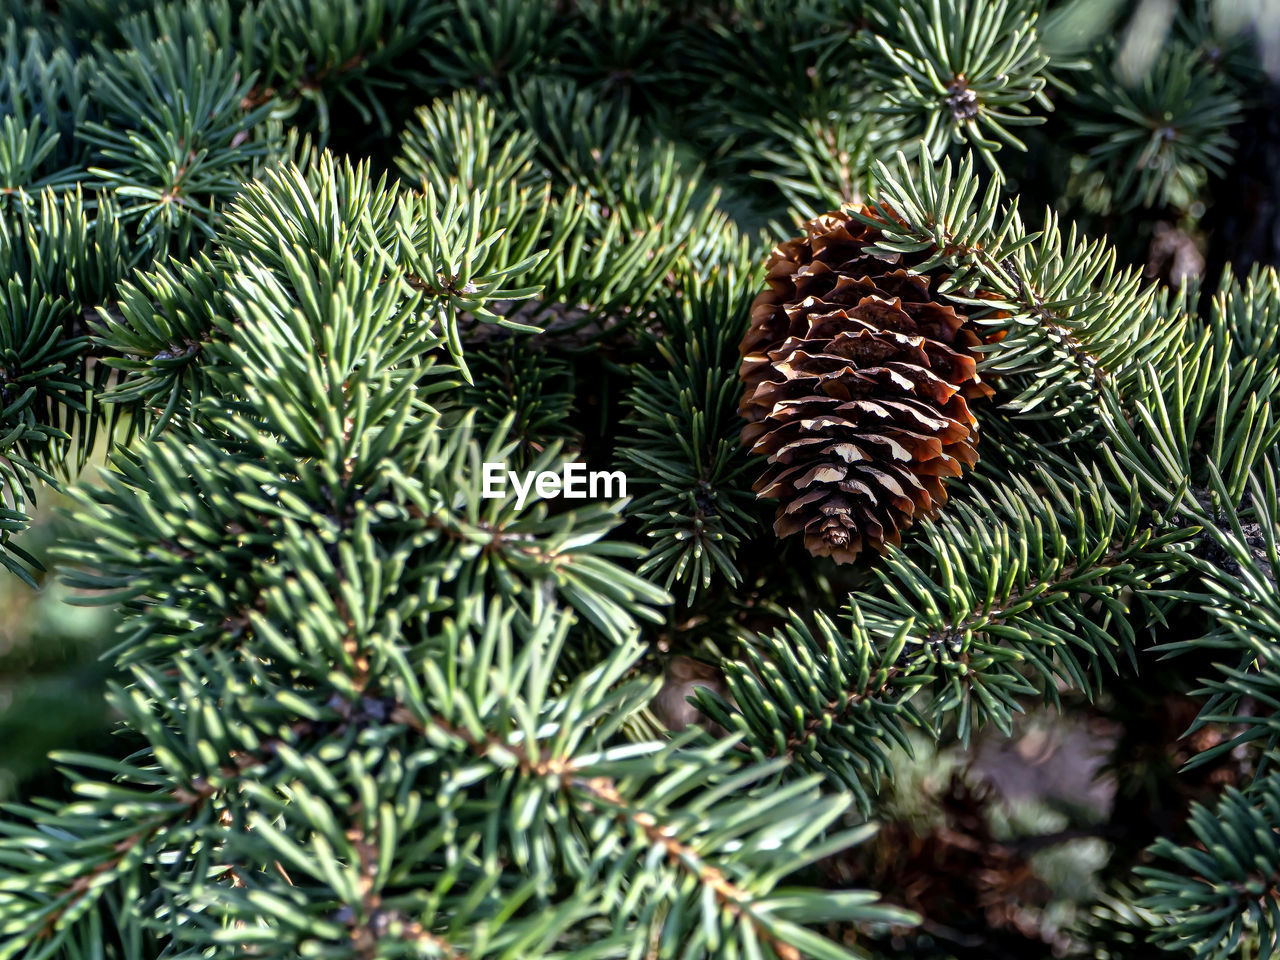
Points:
x=52 y=671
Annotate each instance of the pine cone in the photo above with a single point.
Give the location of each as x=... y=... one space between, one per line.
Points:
x=856 y=378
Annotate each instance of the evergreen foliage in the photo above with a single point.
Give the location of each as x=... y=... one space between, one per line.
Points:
x=302 y=268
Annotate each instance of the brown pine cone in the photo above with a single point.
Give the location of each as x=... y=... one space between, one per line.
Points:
x=856 y=377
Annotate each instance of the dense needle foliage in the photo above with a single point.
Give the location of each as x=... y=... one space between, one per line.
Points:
x=303 y=267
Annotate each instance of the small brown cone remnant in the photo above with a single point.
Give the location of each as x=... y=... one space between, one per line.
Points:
x=856 y=382
x=682 y=677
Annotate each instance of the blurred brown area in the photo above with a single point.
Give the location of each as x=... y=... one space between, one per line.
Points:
x=1003 y=848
